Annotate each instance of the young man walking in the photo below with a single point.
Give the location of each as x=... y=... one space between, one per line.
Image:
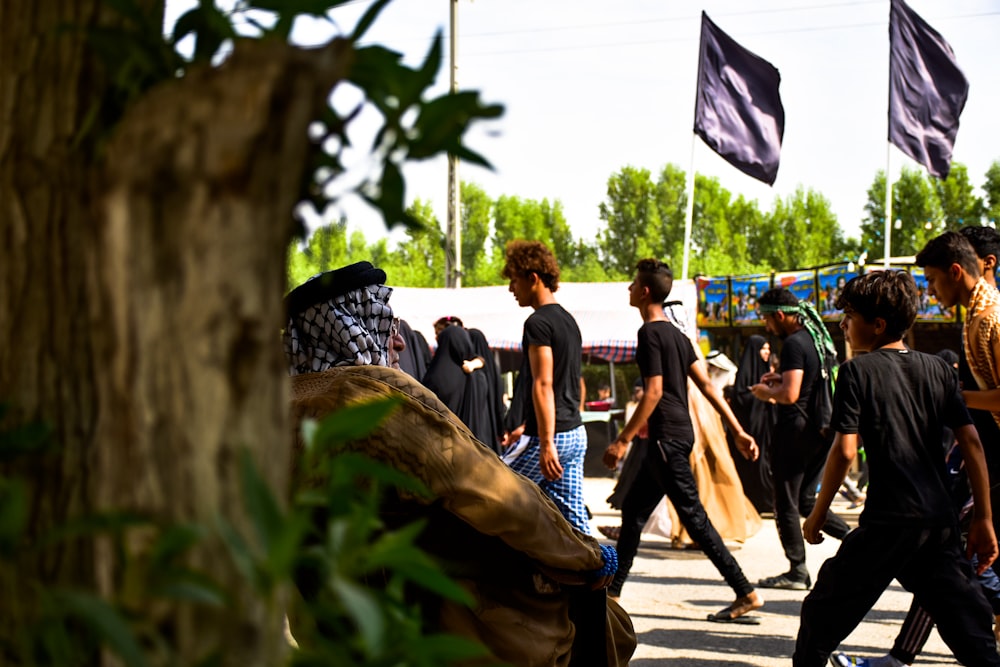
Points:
x=898 y=401
x=554 y=441
x=666 y=360
x=798 y=450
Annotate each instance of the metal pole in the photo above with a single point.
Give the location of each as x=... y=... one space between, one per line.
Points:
x=888 y=207
x=453 y=258
x=689 y=213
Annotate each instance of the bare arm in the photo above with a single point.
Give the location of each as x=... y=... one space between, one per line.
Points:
x=982 y=541
x=838 y=461
x=744 y=441
x=650 y=397
x=784 y=388
x=988 y=399
x=544 y=399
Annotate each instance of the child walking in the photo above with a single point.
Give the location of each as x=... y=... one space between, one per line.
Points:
x=897 y=401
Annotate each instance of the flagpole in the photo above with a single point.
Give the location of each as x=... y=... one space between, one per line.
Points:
x=689 y=213
x=888 y=206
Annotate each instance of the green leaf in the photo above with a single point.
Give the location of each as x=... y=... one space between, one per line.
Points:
x=363 y=608
x=13 y=514
x=355 y=421
x=105 y=621
x=174 y=542
x=195 y=587
x=261 y=506
x=366 y=21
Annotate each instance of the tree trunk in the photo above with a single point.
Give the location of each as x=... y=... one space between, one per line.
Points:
x=140 y=301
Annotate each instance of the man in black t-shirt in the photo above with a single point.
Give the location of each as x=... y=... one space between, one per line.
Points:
x=798 y=450
x=666 y=359
x=898 y=401
x=554 y=441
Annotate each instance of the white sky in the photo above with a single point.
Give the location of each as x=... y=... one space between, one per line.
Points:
x=591 y=86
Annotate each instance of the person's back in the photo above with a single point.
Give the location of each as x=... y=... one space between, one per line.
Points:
x=904 y=405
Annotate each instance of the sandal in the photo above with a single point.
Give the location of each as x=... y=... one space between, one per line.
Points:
x=610 y=532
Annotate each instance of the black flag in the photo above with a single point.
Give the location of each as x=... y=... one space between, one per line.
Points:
x=738 y=109
x=927 y=91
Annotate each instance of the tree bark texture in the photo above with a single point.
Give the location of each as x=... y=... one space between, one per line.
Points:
x=141 y=295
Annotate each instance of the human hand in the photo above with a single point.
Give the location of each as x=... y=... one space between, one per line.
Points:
x=811 y=528
x=982 y=543
x=548 y=461
x=614 y=453
x=747 y=446
x=510 y=437
x=761 y=391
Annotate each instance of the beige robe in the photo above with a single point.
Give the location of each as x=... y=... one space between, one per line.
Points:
x=496 y=532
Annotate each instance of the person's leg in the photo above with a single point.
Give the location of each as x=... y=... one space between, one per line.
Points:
x=787 y=468
x=567 y=491
x=682 y=490
x=847 y=587
x=640 y=501
x=942 y=581
x=913 y=634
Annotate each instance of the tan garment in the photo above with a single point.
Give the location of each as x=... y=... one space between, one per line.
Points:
x=719 y=487
x=496 y=531
x=981 y=337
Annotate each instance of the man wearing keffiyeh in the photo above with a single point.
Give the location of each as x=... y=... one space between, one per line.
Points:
x=798 y=452
x=492 y=530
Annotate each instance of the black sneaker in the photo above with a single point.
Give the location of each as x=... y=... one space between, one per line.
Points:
x=785 y=582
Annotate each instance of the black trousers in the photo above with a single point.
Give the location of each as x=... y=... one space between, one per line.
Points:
x=666 y=470
x=797 y=462
x=928 y=562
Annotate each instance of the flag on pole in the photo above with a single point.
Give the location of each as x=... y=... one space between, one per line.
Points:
x=927 y=91
x=738 y=110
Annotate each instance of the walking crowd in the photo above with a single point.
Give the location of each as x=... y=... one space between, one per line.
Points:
x=505 y=514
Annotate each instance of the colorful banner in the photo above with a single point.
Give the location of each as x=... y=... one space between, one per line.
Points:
x=800 y=283
x=831 y=281
x=928 y=308
x=746 y=290
x=713 y=295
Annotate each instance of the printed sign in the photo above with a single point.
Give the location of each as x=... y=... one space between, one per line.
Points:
x=831 y=280
x=746 y=289
x=713 y=296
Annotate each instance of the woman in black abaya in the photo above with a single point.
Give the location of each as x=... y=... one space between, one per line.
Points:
x=757 y=418
x=465 y=394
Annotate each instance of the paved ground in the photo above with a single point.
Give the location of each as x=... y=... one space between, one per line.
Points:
x=670 y=592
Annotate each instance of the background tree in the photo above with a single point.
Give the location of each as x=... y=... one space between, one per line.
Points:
x=633 y=222
x=959 y=204
x=991 y=187
x=806 y=233
x=916 y=212
x=477 y=208
x=671 y=205
x=419 y=261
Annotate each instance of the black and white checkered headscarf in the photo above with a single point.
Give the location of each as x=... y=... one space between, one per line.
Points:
x=348 y=329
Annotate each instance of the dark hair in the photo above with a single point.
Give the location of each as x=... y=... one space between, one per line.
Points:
x=778 y=296
x=448 y=320
x=985 y=240
x=950 y=356
x=526 y=257
x=657 y=276
x=949 y=248
x=891 y=295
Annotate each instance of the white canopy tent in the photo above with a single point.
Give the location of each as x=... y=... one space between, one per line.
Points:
x=607 y=323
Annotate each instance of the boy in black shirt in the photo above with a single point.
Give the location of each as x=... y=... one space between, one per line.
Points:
x=898 y=401
x=666 y=359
